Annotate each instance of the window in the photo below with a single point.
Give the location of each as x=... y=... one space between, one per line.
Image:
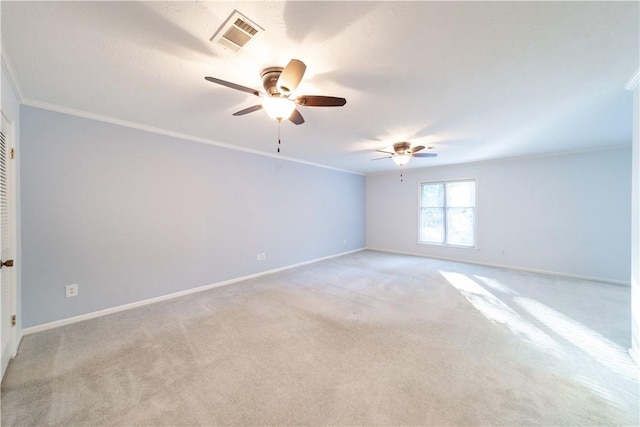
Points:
x=448 y=213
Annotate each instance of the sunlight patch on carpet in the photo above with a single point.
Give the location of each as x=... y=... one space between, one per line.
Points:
x=499 y=312
x=603 y=350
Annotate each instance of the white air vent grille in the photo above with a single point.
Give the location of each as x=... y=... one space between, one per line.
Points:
x=236 y=31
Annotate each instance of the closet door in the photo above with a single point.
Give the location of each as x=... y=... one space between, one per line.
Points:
x=7 y=273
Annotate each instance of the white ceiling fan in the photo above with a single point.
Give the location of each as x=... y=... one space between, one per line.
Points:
x=277 y=100
x=403 y=152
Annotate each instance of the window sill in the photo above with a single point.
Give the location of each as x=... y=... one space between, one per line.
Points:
x=444 y=245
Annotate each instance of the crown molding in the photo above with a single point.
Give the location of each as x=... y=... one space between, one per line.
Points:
x=151 y=129
x=552 y=154
x=633 y=81
x=9 y=72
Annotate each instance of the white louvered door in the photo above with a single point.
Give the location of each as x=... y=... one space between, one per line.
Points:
x=7 y=281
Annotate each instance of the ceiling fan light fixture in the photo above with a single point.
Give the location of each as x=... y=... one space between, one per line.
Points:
x=401 y=159
x=278 y=108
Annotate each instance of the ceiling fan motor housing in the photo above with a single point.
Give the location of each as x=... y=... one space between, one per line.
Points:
x=270 y=77
x=402 y=147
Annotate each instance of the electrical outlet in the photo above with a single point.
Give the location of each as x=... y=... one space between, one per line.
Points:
x=261 y=256
x=71 y=290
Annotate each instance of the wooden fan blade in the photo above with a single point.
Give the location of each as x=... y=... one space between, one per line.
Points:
x=296 y=117
x=320 y=101
x=425 y=155
x=248 y=110
x=385 y=152
x=291 y=76
x=380 y=158
x=417 y=148
x=233 y=85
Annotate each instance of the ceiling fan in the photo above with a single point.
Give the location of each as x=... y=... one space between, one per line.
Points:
x=403 y=152
x=279 y=84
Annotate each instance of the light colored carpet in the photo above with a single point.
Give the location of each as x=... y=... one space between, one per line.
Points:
x=364 y=339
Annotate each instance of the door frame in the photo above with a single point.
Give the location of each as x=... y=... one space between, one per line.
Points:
x=9 y=128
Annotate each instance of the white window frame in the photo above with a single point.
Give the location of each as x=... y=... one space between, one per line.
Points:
x=446 y=226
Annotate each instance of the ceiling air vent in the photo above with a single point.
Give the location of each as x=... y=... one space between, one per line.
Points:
x=236 y=31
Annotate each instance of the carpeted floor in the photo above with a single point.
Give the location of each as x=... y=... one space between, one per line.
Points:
x=368 y=338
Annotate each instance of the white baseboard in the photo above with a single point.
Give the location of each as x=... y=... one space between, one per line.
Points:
x=117 y=309
x=634 y=356
x=18 y=342
x=509 y=267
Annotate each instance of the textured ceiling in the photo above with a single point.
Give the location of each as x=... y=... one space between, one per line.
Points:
x=474 y=80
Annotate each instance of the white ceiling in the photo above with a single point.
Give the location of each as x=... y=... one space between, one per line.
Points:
x=475 y=80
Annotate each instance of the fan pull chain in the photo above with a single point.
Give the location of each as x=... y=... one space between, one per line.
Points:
x=278 y=136
x=401 y=170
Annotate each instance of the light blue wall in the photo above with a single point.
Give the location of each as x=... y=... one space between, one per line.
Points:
x=130 y=215
x=568 y=214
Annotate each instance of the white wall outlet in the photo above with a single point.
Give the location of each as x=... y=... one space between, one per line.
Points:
x=261 y=256
x=71 y=291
